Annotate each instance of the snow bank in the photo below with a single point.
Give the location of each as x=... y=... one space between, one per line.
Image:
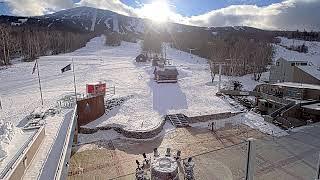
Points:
x=7 y=132
x=250 y=119
x=256 y=121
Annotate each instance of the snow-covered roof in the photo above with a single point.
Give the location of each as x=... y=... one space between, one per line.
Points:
x=312 y=70
x=298 y=85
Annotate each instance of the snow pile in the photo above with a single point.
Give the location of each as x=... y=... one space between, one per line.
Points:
x=250 y=119
x=7 y=132
x=256 y=121
x=312 y=56
x=247 y=81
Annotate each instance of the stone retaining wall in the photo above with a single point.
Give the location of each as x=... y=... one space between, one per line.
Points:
x=141 y=134
x=126 y=133
x=154 y=132
x=85 y=130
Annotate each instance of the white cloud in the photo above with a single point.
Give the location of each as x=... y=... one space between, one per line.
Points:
x=112 y=5
x=287 y=15
x=37 y=7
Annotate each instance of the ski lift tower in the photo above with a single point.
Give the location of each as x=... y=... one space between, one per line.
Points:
x=220 y=64
x=228 y=62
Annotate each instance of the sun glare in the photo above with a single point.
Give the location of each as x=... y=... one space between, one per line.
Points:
x=158 y=11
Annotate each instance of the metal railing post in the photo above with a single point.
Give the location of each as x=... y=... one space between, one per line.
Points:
x=251 y=159
x=318 y=169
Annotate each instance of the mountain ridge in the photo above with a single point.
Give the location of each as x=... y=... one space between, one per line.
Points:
x=86 y=19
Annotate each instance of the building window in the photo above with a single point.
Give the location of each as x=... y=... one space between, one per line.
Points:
x=277 y=63
x=293 y=64
x=304 y=64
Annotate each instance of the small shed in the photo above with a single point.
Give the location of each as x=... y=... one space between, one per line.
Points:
x=141 y=58
x=167 y=74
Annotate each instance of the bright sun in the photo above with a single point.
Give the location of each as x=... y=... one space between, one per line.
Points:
x=158 y=11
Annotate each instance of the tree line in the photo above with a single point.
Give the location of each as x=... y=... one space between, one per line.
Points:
x=30 y=42
x=242 y=53
x=302 y=35
x=152 y=44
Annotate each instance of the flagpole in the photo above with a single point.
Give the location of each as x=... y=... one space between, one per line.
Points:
x=39 y=82
x=74 y=81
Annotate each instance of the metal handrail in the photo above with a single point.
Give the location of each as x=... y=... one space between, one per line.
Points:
x=50 y=149
x=14 y=159
x=65 y=145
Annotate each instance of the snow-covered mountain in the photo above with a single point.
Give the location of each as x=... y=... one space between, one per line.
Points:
x=92 y=19
x=86 y=19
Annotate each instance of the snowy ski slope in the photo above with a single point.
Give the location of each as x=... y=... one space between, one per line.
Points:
x=116 y=66
x=194 y=94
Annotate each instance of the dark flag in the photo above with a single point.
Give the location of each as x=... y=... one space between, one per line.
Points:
x=34 y=67
x=67 y=68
